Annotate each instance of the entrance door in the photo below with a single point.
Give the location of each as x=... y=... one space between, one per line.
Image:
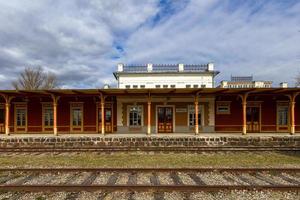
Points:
x=165 y=119
x=253 y=119
x=107 y=120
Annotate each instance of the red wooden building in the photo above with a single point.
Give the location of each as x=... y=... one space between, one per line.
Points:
x=150 y=111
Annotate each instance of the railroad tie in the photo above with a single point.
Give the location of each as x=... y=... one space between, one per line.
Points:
x=25 y=179
x=196 y=179
x=90 y=179
x=265 y=179
x=154 y=179
x=233 y=181
x=112 y=179
x=132 y=179
x=244 y=179
x=288 y=179
x=176 y=179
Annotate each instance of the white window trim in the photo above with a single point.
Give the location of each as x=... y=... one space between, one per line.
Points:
x=201 y=107
x=44 y=107
x=21 y=105
x=76 y=105
x=282 y=104
x=142 y=115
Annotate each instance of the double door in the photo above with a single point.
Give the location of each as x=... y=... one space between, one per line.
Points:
x=253 y=119
x=165 y=119
x=108 y=123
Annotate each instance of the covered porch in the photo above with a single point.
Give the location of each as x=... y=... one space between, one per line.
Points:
x=150 y=111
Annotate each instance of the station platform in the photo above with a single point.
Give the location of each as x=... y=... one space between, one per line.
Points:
x=111 y=142
x=142 y=135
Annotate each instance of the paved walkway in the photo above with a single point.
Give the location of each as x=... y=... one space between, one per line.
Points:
x=136 y=135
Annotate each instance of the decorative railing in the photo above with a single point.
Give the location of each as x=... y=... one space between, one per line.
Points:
x=137 y=68
x=165 y=68
x=195 y=68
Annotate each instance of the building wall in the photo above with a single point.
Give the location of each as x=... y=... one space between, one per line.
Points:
x=221 y=122
x=34 y=115
x=180 y=119
x=268 y=113
x=232 y=121
x=177 y=79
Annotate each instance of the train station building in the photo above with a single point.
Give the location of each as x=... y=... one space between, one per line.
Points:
x=153 y=99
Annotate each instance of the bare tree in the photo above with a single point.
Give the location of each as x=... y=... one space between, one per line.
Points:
x=297 y=80
x=35 y=78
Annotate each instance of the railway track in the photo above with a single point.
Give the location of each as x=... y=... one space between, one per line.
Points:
x=149 y=179
x=178 y=149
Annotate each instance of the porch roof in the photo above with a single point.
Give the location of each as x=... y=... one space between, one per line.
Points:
x=154 y=91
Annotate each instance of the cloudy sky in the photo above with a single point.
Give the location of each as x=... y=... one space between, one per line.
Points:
x=83 y=40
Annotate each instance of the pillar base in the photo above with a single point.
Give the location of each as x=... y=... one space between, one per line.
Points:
x=292 y=130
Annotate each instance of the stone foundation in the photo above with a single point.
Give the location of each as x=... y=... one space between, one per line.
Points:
x=144 y=142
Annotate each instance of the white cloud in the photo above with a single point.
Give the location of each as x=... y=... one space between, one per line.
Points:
x=78 y=39
x=239 y=42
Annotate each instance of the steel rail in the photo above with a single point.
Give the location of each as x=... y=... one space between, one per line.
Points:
x=151 y=169
x=146 y=149
x=182 y=188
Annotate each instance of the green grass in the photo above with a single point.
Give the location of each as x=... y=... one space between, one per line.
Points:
x=238 y=159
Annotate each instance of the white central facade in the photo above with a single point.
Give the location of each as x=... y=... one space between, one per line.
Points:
x=166 y=76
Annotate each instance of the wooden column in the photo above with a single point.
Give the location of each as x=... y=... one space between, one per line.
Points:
x=7 y=112
x=102 y=114
x=149 y=116
x=7 y=107
x=292 y=112
x=196 y=116
x=292 y=107
x=244 y=104
x=55 y=102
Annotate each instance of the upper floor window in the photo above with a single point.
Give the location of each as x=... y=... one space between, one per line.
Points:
x=165 y=86
x=173 y=86
x=203 y=86
x=135 y=86
x=195 y=86
x=142 y=86
x=188 y=86
x=157 y=86
x=127 y=86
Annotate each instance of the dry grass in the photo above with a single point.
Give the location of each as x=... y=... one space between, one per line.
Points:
x=238 y=159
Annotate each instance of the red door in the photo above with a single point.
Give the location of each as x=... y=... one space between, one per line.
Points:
x=253 y=119
x=165 y=119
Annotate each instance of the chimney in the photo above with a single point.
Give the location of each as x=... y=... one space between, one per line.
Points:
x=180 y=67
x=120 y=67
x=283 y=85
x=210 y=66
x=149 y=67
